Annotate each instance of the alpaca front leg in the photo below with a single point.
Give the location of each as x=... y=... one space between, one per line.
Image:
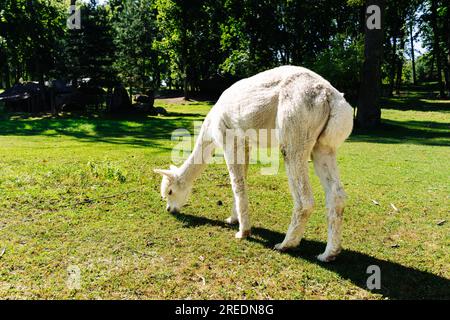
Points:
x=233 y=219
x=236 y=157
x=240 y=200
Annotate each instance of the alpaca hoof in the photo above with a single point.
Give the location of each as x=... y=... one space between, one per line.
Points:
x=280 y=247
x=242 y=234
x=231 y=220
x=326 y=257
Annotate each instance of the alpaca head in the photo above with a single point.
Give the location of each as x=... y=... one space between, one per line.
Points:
x=173 y=189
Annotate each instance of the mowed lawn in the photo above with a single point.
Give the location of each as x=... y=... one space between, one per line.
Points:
x=79 y=193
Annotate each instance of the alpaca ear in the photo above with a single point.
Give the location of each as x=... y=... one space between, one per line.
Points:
x=169 y=174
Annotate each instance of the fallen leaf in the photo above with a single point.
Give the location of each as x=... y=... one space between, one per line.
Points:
x=375 y=202
x=394 y=207
x=441 y=222
x=2 y=252
x=202 y=278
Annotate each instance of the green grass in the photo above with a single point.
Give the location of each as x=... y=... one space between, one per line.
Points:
x=79 y=191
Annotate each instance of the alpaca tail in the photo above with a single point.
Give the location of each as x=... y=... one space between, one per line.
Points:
x=340 y=122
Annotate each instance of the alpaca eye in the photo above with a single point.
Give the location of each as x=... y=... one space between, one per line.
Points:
x=170 y=192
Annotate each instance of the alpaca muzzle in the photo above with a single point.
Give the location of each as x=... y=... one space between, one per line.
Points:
x=172 y=210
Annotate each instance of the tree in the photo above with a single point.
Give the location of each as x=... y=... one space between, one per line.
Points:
x=411 y=16
x=202 y=45
x=89 y=51
x=29 y=35
x=137 y=59
x=341 y=64
x=190 y=42
x=174 y=19
x=413 y=56
x=369 y=111
x=447 y=28
x=436 y=45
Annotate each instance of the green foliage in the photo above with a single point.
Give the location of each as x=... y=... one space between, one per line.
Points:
x=137 y=56
x=29 y=34
x=196 y=45
x=89 y=51
x=340 y=64
x=425 y=70
x=106 y=170
x=190 y=40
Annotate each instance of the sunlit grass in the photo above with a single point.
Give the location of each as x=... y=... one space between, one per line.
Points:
x=80 y=191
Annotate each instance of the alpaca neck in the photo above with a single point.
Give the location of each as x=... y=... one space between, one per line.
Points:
x=197 y=161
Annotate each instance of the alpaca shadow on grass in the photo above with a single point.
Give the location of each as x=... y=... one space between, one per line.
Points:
x=397 y=281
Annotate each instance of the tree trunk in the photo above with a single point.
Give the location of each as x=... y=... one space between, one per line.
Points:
x=52 y=100
x=369 y=112
x=413 y=58
x=400 y=63
x=184 y=53
x=7 y=76
x=393 y=66
x=185 y=83
x=398 y=83
x=436 y=47
x=447 y=78
x=448 y=46
x=431 y=72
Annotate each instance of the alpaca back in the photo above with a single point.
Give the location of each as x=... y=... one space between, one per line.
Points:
x=291 y=93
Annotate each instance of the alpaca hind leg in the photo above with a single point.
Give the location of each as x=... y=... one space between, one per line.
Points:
x=296 y=161
x=326 y=168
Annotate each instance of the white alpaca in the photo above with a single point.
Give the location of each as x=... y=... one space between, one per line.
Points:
x=312 y=119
